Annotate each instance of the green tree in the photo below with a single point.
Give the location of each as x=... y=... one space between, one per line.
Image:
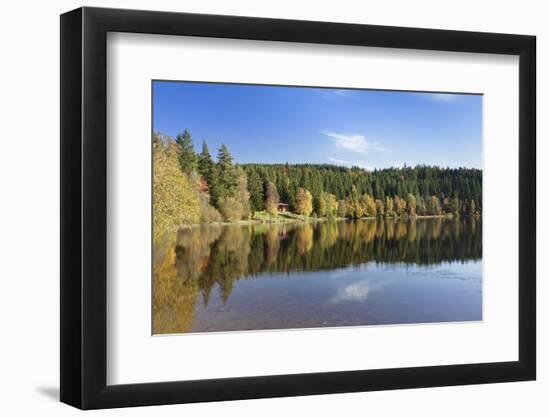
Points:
x=227 y=176
x=256 y=190
x=187 y=155
x=206 y=165
x=208 y=214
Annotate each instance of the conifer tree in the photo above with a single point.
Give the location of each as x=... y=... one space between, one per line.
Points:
x=227 y=176
x=206 y=164
x=256 y=190
x=187 y=156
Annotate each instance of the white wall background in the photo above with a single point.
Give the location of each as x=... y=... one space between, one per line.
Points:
x=29 y=209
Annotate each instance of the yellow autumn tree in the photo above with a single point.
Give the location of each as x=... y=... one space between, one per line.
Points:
x=399 y=205
x=304 y=202
x=369 y=205
x=174 y=298
x=272 y=199
x=379 y=207
x=411 y=204
x=332 y=205
x=175 y=199
x=389 y=206
x=328 y=205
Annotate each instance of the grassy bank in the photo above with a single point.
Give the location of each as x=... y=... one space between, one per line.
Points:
x=262 y=217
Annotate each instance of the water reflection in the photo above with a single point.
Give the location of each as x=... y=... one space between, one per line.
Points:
x=271 y=265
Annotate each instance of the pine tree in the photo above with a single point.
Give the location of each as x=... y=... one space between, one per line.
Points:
x=227 y=177
x=206 y=165
x=187 y=155
x=256 y=190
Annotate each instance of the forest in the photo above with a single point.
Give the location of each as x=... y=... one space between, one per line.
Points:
x=191 y=187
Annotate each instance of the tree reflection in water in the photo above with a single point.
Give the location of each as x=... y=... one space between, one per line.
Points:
x=189 y=264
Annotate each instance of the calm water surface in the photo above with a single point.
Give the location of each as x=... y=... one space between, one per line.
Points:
x=326 y=274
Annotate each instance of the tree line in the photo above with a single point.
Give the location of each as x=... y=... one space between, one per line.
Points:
x=191 y=187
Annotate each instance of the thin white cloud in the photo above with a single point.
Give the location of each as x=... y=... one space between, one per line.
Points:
x=355 y=143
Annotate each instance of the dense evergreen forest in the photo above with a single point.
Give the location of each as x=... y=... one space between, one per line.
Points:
x=456 y=190
x=191 y=187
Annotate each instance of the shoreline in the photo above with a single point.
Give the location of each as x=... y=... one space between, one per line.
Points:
x=253 y=222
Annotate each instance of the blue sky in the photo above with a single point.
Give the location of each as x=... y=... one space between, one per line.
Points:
x=367 y=128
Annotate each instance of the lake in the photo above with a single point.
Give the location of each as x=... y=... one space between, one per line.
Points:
x=320 y=274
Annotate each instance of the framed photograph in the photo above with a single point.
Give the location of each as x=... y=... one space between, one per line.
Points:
x=257 y=208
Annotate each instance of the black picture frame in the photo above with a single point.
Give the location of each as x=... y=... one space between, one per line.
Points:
x=84 y=207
